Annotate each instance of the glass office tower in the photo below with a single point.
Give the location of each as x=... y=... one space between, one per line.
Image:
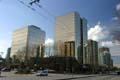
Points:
x=92 y=53
x=26 y=42
x=71 y=28
x=105 y=57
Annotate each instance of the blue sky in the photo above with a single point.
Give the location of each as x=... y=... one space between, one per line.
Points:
x=14 y=15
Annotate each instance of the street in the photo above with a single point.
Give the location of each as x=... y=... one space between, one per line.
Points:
x=12 y=76
x=97 y=78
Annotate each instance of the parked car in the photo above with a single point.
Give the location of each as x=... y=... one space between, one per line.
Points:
x=5 y=69
x=118 y=72
x=42 y=73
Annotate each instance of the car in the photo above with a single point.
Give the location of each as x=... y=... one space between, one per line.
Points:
x=6 y=69
x=42 y=73
x=118 y=72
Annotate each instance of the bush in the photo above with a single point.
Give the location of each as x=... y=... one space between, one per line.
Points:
x=23 y=71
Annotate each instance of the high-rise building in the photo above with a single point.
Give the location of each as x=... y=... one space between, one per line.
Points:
x=8 y=54
x=91 y=56
x=105 y=57
x=71 y=28
x=27 y=42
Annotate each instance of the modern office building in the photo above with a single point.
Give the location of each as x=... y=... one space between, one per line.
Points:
x=70 y=34
x=8 y=54
x=105 y=57
x=67 y=49
x=27 y=42
x=91 y=56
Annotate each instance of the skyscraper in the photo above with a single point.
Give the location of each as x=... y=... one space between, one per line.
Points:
x=71 y=28
x=26 y=42
x=105 y=57
x=91 y=56
x=8 y=54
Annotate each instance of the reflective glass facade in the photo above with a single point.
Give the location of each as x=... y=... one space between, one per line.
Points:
x=105 y=57
x=71 y=27
x=91 y=56
x=26 y=41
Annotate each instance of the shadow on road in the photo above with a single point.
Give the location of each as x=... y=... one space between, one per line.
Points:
x=2 y=76
x=75 y=78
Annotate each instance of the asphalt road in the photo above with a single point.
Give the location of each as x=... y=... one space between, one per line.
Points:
x=109 y=77
x=12 y=76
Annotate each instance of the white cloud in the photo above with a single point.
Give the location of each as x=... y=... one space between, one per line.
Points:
x=98 y=33
x=107 y=43
x=49 y=51
x=110 y=43
x=49 y=41
x=3 y=47
x=115 y=18
x=113 y=45
x=118 y=7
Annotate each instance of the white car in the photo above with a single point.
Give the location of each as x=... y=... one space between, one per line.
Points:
x=42 y=73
